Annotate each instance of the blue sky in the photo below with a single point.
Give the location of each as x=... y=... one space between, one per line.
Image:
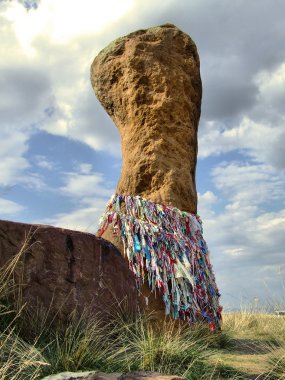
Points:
x=60 y=152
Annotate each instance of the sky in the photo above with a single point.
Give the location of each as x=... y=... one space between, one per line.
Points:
x=60 y=155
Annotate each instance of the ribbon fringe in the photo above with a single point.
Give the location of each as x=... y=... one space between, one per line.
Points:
x=165 y=247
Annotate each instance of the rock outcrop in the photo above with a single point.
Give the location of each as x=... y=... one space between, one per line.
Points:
x=149 y=83
x=62 y=269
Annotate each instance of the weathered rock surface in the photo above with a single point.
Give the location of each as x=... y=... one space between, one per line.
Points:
x=112 y=376
x=67 y=269
x=149 y=83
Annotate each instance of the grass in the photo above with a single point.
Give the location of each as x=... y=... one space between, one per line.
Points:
x=257 y=344
x=251 y=345
x=19 y=359
x=277 y=361
x=255 y=325
x=142 y=345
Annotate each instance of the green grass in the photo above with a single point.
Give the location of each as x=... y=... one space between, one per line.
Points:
x=32 y=346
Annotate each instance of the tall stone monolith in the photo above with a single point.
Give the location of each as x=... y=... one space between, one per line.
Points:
x=149 y=83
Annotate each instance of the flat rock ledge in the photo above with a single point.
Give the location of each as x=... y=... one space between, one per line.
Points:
x=93 y=375
x=63 y=270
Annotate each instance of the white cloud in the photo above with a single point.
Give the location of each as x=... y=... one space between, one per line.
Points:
x=83 y=120
x=250 y=184
x=13 y=145
x=243 y=246
x=90 y=192
x=14 y=167
x=35 y=91
x=47 y=38
x=259 y=133
x=243 y=236
x=271 y=83
x=205 y=203
x=262 y=142
x=84 y=218
x=24 y=94
x=85 y=168
x=242 y=250
x=8 y=207
x=207 y=198
x=86 y=184
x=43 y=162
x=63 y=20
x=32 y=181
x=235 y=251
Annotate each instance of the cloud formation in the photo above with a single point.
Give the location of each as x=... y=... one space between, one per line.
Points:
x=245 y=234
x=89 y=192
x=24 y=94
x=9 y=207
x=45 y=86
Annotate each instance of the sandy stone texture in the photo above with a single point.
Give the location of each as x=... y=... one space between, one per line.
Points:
x=149 y=83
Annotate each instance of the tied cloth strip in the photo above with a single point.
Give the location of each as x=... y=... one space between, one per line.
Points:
x=165 y=247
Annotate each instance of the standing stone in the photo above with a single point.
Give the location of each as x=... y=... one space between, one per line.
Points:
x=149 y=83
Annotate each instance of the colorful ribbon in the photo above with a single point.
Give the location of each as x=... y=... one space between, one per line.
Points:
x=165 y=247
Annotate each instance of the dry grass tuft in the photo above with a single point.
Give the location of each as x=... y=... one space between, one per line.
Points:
x=250 y=344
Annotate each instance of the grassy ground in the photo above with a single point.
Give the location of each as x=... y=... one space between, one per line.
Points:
x=256 y=345
x=251 y=345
